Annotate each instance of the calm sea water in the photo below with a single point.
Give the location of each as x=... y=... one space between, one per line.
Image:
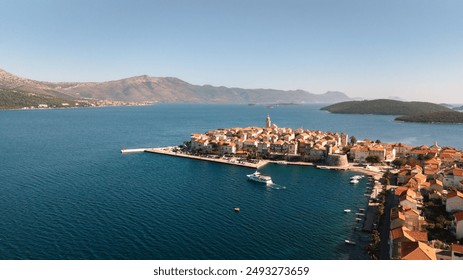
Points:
x=67 y=193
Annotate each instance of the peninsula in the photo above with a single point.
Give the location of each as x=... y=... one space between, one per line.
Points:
x=415 y=196
x=18 y=93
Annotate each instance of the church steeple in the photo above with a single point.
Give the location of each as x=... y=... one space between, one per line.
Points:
x=268 y=122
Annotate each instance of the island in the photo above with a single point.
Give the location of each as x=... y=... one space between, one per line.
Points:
x=385 y=107
x=447 y=117
x=415 y=193
x=421 y=112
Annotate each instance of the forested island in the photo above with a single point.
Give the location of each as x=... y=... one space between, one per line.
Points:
x=436 y=117
x=385 y=107
x=423 y=112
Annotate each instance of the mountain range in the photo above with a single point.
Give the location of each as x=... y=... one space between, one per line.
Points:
x=161 y=89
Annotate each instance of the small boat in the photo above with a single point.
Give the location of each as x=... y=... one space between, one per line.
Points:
x=356 y=177
x=347 y=210
x=354 y=181
x=350 y=242
x=256 y=176
x=237 y=209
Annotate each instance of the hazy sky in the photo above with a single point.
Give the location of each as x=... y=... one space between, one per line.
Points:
x=365 y=48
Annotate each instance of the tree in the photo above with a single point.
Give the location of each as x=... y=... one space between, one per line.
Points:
x=399 y=162
x=378 y=141
x=412 y=161
x=373 y=159
x=353 y=140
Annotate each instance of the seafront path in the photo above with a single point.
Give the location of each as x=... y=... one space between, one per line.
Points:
x=231 y=161
x=375 y=173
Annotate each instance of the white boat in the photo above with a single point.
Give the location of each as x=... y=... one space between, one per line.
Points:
x=349 y=242
x=354 y=181
x=356 y=177
x=256 y=176
x=347 y=210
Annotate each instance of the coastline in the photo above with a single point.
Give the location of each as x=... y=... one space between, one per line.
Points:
x=168 y=151
x=376 y=174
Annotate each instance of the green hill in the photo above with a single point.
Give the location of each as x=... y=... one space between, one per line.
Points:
x=16 y=99
x=385 y=107
x=436 y=117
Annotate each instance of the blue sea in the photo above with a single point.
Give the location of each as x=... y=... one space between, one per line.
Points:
x=67 y=192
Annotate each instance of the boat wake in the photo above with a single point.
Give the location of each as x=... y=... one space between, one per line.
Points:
x=276 y=187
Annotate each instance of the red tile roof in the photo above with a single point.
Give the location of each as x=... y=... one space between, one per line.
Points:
x=457 y=248
x=417 y=251
x=458 y=216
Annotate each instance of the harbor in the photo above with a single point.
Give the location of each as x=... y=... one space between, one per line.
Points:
x=256 y=164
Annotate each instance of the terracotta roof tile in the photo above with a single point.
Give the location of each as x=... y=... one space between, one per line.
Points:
x=457 y=248
x=417 y=251
x=458 y=216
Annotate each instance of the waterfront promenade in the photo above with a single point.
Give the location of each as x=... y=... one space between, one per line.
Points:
x=231 y=161
x=376 y=174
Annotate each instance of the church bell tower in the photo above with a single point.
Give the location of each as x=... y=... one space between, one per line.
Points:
x=268 y=122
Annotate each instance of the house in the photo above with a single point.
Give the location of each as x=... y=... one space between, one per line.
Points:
x=437 y=186
x=457 y=252
x=397 y=218
x=390 y=154
x=453 y=178
x=403 y=176
x=359 y=153
x=250 y=144
x=457 y=224
x=420 y=178
x=398 y=236
x=263 y=147
x=419 y=153
x=408 y=202
x=413 y=220
x=401 y=150
x=417 y=251
x=277 y=147
x=379 y=152
x=399 y=192
x=226 y=148
x=454 y=202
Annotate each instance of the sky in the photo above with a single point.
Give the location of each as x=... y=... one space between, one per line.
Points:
x=412 y=49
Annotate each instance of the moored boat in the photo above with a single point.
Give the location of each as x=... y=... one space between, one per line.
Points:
x=347 y=210
x=354 y=181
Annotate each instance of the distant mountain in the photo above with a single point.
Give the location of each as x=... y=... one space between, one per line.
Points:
x=168 y=90
x=385 y=107
x=435 y=117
